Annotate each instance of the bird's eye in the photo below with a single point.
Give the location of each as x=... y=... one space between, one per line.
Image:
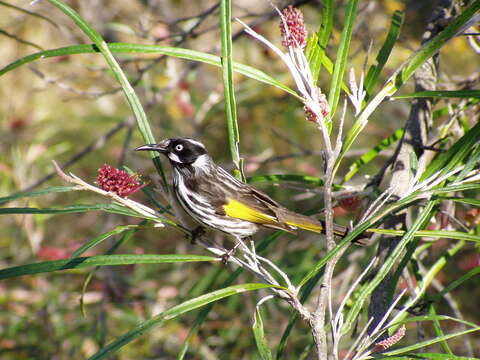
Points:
x=179 y=147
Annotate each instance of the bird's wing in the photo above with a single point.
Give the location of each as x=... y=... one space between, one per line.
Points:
x=235 y=199
x=254 y=200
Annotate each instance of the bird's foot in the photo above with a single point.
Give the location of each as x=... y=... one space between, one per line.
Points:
x=197 y=233
x=226 y=256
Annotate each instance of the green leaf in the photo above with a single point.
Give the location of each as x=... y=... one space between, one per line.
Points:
x=426 y=356
x=444 y=234
x=469 y=201
x=304 y=179
x=447 y=161
x=341 y=59
x=431 y=317
x=180 y=53
x=472 y=162
x=53 y=189
x=316 y=57
x=454 y=284
x=104 y=260
x=440 y=93
x=438 y=330
x=129 y=92
x=98 y=239
x=423 y=344
x=172 y=313
x=110 y=208
x=460 y=23
x=228 y=86
x=259 y=334
x=452 y=188
x=405 y=71
x=260 y=248
x=387 y=265
x=372 y=154
x=323 y=38
x=343 y=243
x=373 y=73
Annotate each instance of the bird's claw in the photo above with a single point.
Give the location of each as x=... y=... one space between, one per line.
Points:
x=226 y=256
x=196 y=233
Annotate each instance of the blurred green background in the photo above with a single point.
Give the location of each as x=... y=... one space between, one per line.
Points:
x=53 y=109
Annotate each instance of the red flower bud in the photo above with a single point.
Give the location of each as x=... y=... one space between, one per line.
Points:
x=117 y=181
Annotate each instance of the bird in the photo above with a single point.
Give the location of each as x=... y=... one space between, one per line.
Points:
x=217 y=200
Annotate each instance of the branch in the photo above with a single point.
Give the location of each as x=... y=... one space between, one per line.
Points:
x=415 y=138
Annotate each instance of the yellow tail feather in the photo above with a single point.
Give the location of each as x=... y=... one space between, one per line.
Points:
x=338 y=230
x=310 y=227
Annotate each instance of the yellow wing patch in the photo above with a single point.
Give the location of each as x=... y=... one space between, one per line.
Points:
x=238 y=210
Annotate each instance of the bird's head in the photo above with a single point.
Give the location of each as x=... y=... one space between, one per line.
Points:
x=180 y=150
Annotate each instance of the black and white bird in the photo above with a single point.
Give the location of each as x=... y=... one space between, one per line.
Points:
x=216 y=199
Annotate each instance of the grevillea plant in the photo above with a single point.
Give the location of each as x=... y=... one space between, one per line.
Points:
x=357 y=304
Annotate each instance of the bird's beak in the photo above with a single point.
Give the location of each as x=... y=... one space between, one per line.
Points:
x=160 y=147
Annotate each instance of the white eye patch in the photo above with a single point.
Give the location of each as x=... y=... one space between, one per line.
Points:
x=179 y=147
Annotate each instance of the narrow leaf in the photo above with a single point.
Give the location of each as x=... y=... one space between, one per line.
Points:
x=111 y=208
x=342 y=54
x=372 y=154
x=423 y=344
x=444 y=234
x=172 y=313
x=447 y=161
x=373 y=73
x=406 y=70
x=227 y=72
x=98 y=239
x=81 y=262
x=387 y=265
x=440 y=93
x=117 y=71
x=323 y=37
x=180 y=53
x=304 y=179
x=53 y=189
x=456 y=283
x=259 y=334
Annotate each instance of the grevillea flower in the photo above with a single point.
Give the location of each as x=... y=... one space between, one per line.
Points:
x=323 y=107
x=390 y=341
x=117 y=181
x=294 y=37
x=292 y=27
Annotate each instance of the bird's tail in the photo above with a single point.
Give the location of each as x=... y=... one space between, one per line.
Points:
x=318 y=226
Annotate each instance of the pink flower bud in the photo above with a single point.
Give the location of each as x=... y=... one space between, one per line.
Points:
x=324 y=108
x=390 y=341
x=292 y=27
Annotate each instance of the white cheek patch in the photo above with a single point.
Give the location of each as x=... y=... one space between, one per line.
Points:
x=174 y=157
x=201 y=162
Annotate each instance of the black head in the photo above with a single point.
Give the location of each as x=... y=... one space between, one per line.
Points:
x=180 y=150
